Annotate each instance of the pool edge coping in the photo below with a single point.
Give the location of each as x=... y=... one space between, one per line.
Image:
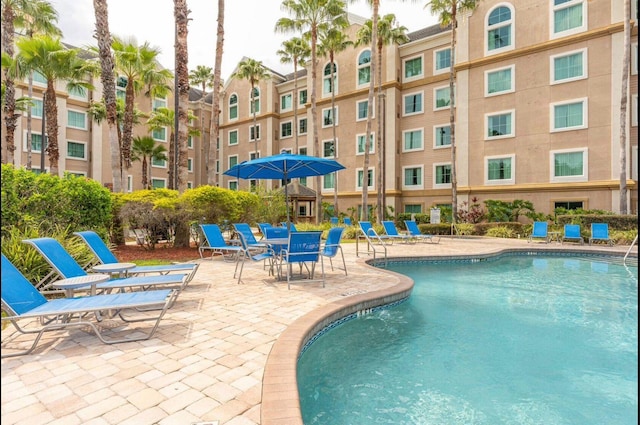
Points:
x=280 y=398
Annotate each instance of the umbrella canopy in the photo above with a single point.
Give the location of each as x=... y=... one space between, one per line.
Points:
x=284 y=166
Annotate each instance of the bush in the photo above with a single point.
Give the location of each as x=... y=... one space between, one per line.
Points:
x=515 y=227
x=500 y=232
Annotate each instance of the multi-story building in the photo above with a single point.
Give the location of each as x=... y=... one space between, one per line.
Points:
x=537 y=99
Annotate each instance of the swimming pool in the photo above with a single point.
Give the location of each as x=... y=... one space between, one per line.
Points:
x=514 y=339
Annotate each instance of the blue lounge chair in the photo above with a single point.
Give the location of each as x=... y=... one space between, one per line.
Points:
x=21 y=302
x=332 y=246
x=256 y=252
x=214 y=241
x=304 y=249
x=392 y=232
x=67 y=267
x=244 y=230
x=540 y=231
x=600 y=233
x=414 y=230
x=105 y=256
x=289 y=226
x=334 y=221
x=263 y=227
x=347 y=221
x=572 y=233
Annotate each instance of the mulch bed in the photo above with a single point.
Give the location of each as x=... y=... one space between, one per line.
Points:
x=130 y=252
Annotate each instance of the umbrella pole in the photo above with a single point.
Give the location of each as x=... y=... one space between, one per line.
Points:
x=286 y=201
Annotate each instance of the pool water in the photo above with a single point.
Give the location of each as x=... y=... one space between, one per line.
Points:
x=515 y=340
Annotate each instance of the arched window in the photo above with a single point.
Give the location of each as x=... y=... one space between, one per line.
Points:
x=364 y=67
x=500 y=29
x=256 y=101
x=328 y=85
x=233 y=107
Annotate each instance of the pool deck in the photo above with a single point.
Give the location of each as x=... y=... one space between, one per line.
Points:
x=223 y=354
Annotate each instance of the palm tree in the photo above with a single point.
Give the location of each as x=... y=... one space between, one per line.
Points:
x=134 y=63
x=53 y=61
x=295 y=51
x=109 y=90
x=448 y=14
x=98 y=112
x=215 y=100
x=623 y=107
x=203 y=76
x=181 y=14
x=309 y=17
x=333 y=41
x=253 y=71
x=388 y=33
x=146 y=150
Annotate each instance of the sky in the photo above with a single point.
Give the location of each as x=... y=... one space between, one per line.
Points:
x=249 y=27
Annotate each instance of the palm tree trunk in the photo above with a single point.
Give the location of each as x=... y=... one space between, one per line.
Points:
x=127 y=128
x=295 y=102
x=367 y=143
x=333 y=108
x=10 y=116
x=182 y=74
x=29 y=134
x=212 y=175
x=452 y=117
x=381 y=190
x=314 y=118
x=51 y=113
x=623 y=107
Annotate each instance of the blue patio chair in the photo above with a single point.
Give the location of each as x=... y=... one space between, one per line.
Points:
x=21 y=302
x=304 y=249
x=67 y=267
x=214 y=241
x=257 y=253
x=105 y=256
x=540 y=231
x=250 y=239
x=334 y=221
x=370 y=233
x=263 y=227
x=600 y=233
x=277 y=233
x=392 y=232
x=290 y=226
x=572 y=233
x=414 y=230
x=347 y=221
x=332 y=246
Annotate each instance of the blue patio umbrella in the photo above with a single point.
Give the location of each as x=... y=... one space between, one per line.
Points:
x=284 y=166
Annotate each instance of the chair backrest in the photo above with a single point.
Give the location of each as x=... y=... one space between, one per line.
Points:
x=390 y=228
x=245 y=230
x=55 y=254
x=276 y=232
x=263 y=227
x=213 y=235
x=290 y=226
x=600 y=230
x=97 y=246
x=412 y=227
x=334 y=221
x=332 y=243
x=304 y=246
x=18 y=294
x=347 y=221
x=571 y=230
x=539 y=229
x=367 y=228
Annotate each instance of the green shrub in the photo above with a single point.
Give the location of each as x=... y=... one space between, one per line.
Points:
x=621 y=237
x=500 y=232
x=515 y=227
x=464 y=228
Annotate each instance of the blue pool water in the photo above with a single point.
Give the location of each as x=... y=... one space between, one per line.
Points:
x=513 y=340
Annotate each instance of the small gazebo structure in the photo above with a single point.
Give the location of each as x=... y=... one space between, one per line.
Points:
x=302 y=199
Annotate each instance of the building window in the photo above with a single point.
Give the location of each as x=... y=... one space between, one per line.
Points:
x=571 y=115
x=233 y=160
x=286 y=129
x=329 y=181
x=190 y=165
x=129 y=183
x=36 y=142
x=569 y=17
x=360 y=143
x=121 y=86
x=500 y=125
x=441 y=97
x=233 y=107
x=158 y=163
x=499 y=29
x=442 y=173
x=253 y=132
x=159 y=103
x=634 y=58
x=360 y=179
x=328 y=149
x=254 y=155
x=412 y=140
x=302 y=126
x=38 y=78
x=413 y=208
x=634 y=110
x=36 y=108
x=364 y=67
x=569 y=165
x=441 y=136
x=75 y=150
x=233 y=185
x=499 y=81
x=302 y=151
x=412 y=103
x=363 y=110
x=568 y=66
x=79 y=92
x=500 y=170
x=233 y=137
x=568 y=205
x=412 y=178
x=190 y=142
x=302 y=95
x=286 y=102
x=255 y=105
x=77 y=120
x=158 y=183
x=413 y=68
x=442 y=60
x=159 y=134
x=328 y=85
x=329 y=116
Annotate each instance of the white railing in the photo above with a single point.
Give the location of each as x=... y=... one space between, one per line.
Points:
x=635 y=240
